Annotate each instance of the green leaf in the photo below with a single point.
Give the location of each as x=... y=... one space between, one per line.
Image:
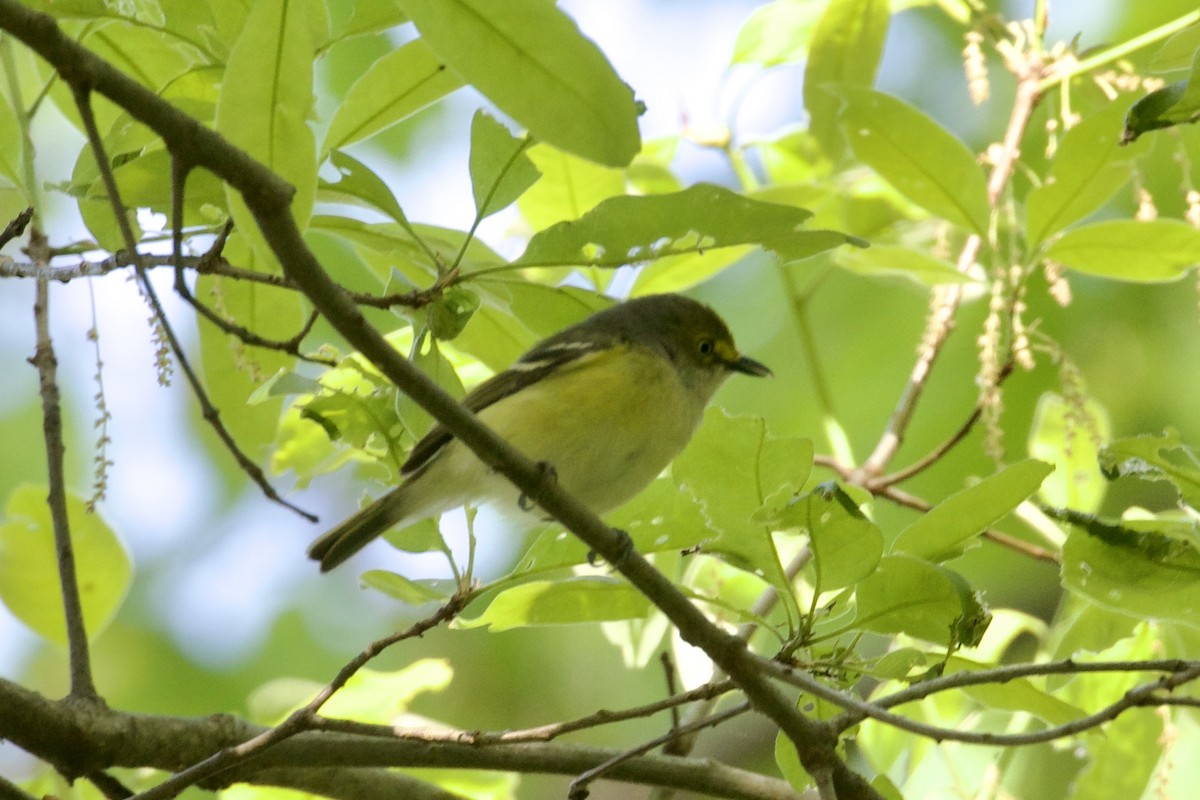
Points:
x=396 y=86
x=388 y=248
x=1177 y=52
x=233 y=371
x=734 y=468
x=145 y=182
x=473 y=783
x=413 y=592
x=917 y=265
x=1015 y=695
x=1084 y=627
x=369 y=695
x=1068 y=435
x=284 y=384
x=661 y=518
x=908 y=595
x=569 y=187
x=12 y=147
x=1144 y=575
x=578 y=599
x=450 y=313
x=845 y=51
x=143 y=52
x=776 y=33
x=1089 y=167
x=846 y=545
x=500 y=169
x=29 y=583
x=676 y=273
x=1128 y=250
x=629 y=229
x=529 y=58
x=921 y=159
x=351 y=417
x=1176 y=104
x=373 y=17
x=358 y=183
x=1148 y=457
x=266 y=99
x=420 y=537
x=899 y=664
x=788 y=761
x=943 y=531
x=1123 y=761
x=430 y=358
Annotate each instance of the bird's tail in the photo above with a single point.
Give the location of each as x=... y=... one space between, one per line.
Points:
x=337 y=545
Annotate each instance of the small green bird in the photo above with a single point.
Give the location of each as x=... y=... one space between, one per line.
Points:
x=607 y=403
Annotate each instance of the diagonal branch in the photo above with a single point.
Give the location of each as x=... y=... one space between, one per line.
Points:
x=179 y=172
x=211 y=414
x=1029 y=70
x=16 y=226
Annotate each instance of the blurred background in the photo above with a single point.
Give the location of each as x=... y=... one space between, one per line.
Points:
x=224 y=598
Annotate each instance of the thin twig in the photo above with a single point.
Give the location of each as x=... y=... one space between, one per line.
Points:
x=936 y=454
x=937 y=330
x=300 y=720
x=291 y=346
x=16 y=227
x=109 y=786
x=210 y=412
x=541 y=733
x=1010 y=672
x=908 y=500
x=82 y=683
x=578 y=788
x=857 y=710
x=761 y=608
x=414 y=298
x=1029 y=73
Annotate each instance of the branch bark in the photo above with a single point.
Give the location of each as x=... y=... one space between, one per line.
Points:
x=82 y=685
x=83 y=738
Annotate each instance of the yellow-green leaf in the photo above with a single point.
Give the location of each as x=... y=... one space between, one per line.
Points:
x=29 y=583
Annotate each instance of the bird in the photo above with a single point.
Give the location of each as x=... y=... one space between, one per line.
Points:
x=606 y=404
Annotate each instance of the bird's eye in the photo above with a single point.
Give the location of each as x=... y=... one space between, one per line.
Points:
x=706 y=346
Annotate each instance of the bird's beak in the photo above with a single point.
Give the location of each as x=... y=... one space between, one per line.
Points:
x=749 y=366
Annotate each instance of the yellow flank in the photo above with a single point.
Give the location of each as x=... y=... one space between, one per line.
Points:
x=639 y=443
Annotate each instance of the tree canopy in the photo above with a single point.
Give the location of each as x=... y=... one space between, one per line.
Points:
x=255 y=250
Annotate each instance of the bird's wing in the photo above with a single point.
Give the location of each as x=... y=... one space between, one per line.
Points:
x=549 y=356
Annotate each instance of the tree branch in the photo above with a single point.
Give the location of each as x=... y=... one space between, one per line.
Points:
x=82 y=92
x=78 y=739
x=203 y=265
x=578 y=789
x=82 y=685
x=1029 y=71
x=1147 y=694
x=10 y=791
x=300 y=720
